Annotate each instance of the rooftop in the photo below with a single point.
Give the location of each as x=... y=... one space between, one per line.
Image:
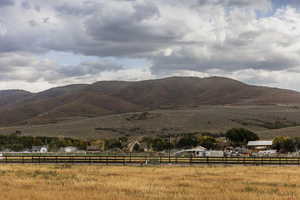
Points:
x=260 y=143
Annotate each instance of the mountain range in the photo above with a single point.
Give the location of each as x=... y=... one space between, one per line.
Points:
x=18 y=107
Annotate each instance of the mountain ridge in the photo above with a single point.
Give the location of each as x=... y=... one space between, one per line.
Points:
x=114 y=97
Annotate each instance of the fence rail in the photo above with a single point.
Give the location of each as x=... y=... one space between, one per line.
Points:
x=141 y=160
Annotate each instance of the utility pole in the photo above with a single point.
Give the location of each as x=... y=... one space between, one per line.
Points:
x=169 y=148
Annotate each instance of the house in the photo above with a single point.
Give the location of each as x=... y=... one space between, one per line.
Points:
x=260 y=145
x=39 y=149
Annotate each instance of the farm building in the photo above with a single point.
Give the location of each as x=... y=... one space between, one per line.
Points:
x=260 y=144
x=198 y=151
x=70 y=149
x=136 y=146
x=93 y=148
x=39 y=149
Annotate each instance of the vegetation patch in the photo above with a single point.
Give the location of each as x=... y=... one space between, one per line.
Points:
x=276 y=124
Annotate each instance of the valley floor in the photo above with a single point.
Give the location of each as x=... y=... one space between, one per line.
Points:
x=64 y=182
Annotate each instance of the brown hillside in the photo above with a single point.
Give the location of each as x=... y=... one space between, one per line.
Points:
x=112 y=97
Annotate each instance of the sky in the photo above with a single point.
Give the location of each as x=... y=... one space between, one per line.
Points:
x=49 y=43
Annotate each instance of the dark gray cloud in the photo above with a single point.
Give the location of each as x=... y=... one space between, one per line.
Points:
x=110 y=30
x=86 y=8
x=130 y=27
x=6 y=3
x=26 y=5
x=88 y=68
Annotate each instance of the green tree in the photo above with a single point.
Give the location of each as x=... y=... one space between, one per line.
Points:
x=284 y=144
x=240 y=136
x=297 y=143
x=208 y=142
x=159 y=144
x=187 y=141
x=113 y=143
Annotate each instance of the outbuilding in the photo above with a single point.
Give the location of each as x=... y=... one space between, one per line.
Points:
x=260 y=145
x=198 y=151
x=39 y=149
x=70 y=149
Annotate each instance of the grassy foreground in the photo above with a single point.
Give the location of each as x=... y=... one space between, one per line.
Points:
x=39 y=182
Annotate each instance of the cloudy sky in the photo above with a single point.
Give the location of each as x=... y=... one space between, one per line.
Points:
x=50 y=43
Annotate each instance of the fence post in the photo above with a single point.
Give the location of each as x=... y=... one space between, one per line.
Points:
x=279 y=160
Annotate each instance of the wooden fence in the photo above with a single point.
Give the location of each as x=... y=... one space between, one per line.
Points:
x=152 y=160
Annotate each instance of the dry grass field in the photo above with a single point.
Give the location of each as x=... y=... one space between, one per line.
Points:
x=39 y=182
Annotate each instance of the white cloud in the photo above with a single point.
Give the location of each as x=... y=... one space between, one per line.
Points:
x=195 y=37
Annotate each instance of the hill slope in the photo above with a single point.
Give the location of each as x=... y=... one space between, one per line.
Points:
x=113 y=97
x=267 y=120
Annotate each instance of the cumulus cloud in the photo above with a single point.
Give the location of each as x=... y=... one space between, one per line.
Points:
x=239 y=38
x=26 y=67
x=266 y=43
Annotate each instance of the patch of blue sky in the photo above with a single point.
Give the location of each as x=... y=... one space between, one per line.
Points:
x=278 y=4
x=66 y=58
x=285 y=3
x=130 y=62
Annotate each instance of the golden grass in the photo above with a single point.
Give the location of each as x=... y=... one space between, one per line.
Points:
x=39 y=182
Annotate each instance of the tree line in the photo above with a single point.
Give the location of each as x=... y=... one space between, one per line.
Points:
x=14 y=142
x=235 y=137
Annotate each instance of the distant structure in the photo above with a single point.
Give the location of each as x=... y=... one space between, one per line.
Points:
x=70 y=149
x=198 y=151
x=260 y=145
x=39 y=149
x=136 y=146
x=93 y=148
